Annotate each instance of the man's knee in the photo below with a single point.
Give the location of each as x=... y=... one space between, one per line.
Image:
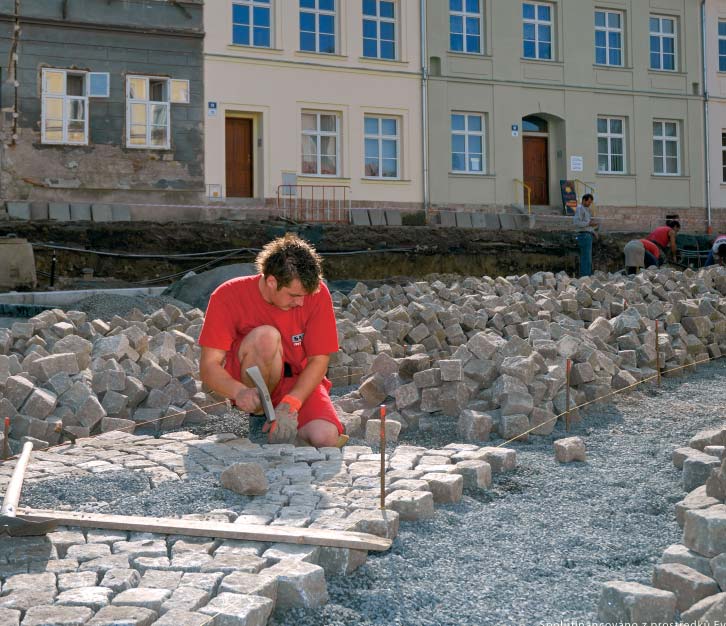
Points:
x=320 y=434
x=264 y=341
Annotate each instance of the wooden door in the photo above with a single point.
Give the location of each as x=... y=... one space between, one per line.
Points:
x=238 y=138
x=536 y=171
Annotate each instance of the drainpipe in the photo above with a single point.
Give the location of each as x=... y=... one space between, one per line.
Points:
x=424 y=108
x=706 y=117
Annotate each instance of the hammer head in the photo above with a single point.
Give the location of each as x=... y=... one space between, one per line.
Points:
x=267 y=406
x=20 y=527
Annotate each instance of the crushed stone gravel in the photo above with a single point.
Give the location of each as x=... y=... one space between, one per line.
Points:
x=105 y=306
x=538 y=545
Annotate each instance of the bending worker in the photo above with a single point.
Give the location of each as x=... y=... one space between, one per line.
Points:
x=717 y=255
x=282 y=321
x=665 y=238
x=640 y=253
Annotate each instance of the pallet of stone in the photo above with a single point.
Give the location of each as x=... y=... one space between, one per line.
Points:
x=218 y=530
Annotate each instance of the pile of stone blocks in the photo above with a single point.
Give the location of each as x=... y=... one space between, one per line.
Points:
x=690 y=580
x=62 y=374
x=491 y=352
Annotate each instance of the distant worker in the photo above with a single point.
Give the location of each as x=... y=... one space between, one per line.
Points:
x=640 y=253
x=665 y=238
x=586 y=226
x=717 y=255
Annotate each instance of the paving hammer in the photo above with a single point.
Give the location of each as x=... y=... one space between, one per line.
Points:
x=256 y=377
x=10 y=523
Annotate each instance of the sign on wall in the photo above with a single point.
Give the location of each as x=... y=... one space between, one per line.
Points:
x=577 y=164
x=211 y=109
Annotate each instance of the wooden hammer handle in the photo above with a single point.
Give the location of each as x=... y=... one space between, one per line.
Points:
x=12 y=494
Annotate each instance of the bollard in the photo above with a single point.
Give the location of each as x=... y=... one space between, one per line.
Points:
x=383 y=457
x=657 y=351
x=6 y=438
x=567 y=395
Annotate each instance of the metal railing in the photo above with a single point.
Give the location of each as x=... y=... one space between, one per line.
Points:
x=315 y=203
x=586 y=187
x=525 y=188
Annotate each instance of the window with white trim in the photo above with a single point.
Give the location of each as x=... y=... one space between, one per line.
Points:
x=379 y=29
x=666 y=148
x=723 y=155
x=722 y=45
x=537 y=30
x=468 y=155
x=148 y=119
x=663 y=43
x=251 y=23
x=611 y=145
x=320 y=143
x=465 y=26
x=609 y=38
x=317 y=26
x=382 y=147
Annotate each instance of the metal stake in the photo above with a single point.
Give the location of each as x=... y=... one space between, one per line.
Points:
x=6 y=441
x=657 y=350
x=567 y=395
x=383 y=457
x=53 y=262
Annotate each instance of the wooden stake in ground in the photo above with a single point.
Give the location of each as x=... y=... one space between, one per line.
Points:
x=383 y=457
x=568 y=367
x=657 y=350
x=6 y=438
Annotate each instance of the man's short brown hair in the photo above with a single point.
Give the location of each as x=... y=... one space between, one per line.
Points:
x=289 y=257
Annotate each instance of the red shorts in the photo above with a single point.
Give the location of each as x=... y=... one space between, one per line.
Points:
x=318 y=405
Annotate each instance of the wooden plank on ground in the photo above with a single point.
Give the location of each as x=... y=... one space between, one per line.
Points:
x=218 y=530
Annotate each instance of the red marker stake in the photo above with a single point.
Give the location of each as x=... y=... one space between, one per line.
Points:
x=383 y=457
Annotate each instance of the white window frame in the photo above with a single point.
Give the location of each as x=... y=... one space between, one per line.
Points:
x=252 y=4
x=317 y=12
x=467 y=15
x=664 y=140
x=663 y=35
x=467 y=133
x=66 y=102
x=380 y=138
x=721 y=38
x=318 y=133
x=379 y=20
x=609 y=136
x=130 y=102
x=537 y=23
x=607 y=29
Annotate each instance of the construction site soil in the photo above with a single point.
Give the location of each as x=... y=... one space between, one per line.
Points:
x=352 y=252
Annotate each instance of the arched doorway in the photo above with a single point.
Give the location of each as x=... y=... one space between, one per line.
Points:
x=535 y=154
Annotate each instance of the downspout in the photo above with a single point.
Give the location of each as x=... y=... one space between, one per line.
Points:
x=706 y=115
x=424 y=109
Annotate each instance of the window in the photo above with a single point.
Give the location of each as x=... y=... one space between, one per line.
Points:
x=723 y=155
x=320 y=138
x=465 y=26
x=467 y=143
x=251 y=23
x=379 y=29
x=381 y=147
x=537 y=30
x=666 y=148
x=611 y=145
x=65 y=107
x=317 y=26
x=662 y=43
x=609 y=38
x=148 y=100
x=722 y=46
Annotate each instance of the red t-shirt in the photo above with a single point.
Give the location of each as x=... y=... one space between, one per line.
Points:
x=661 y=236
x=651 y=247
x=237 y=307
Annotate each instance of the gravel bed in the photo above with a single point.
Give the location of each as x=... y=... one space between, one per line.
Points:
x=105 y=306
x=537 y=547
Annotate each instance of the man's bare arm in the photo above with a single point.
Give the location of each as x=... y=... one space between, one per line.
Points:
x=214 y=376
x=310 y=377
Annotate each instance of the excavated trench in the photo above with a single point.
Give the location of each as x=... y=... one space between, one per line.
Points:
x=352 y=252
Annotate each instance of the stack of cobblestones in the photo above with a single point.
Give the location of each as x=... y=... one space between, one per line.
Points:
x=105 y=578
x=60 y=371
x=690 y=581
x=493 y=352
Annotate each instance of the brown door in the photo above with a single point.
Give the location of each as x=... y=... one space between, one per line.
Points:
x=536 y=173
x=239 y=157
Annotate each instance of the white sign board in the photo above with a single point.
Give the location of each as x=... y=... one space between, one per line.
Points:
x=212 y=109
x=576 y=164
x=515 y=130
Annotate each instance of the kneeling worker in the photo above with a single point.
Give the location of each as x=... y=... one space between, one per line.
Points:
x=282 y=321
x=640 y=253
x=717 y=255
